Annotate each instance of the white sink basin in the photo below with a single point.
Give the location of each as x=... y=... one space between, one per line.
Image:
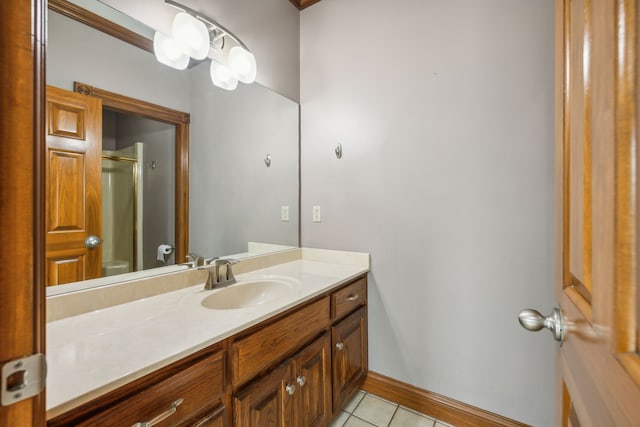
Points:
x=248 y=293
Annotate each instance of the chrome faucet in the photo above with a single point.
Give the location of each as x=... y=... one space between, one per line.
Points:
x=215 y=279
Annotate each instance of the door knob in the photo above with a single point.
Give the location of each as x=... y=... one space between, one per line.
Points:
x=92 y=242
x=290 y=389
x=532 y=320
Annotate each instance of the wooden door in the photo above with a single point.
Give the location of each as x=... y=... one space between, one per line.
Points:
x=598 y=366
x=22 y=40
x=73 y=207
x=349 y=340
x=313 y=378
x=267 y=403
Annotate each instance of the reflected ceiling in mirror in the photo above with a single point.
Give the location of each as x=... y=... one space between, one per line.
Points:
x=238 y=205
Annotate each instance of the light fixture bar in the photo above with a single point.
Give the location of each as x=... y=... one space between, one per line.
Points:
x=207 y=20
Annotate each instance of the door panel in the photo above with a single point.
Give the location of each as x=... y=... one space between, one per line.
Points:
x=266 y=402
x=66 y=190
x=596 y=212
x=314 y=367
x=65 y=266
x=73 y=186
x=350 y=363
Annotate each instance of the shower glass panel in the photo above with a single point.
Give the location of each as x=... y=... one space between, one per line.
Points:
x=120 y=229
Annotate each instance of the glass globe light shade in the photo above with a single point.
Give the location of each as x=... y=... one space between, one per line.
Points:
x=222 y=76
x=169 y=52
x=192 y=34
x=243 y=64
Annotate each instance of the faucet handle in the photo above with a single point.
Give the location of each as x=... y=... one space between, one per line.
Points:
x=208 y=261
x=193 y=260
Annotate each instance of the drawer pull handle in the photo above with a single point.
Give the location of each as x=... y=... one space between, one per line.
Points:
x=339 y=346
x=290 y=389
x=352 y=297
x=163 y=416
x=301 y=380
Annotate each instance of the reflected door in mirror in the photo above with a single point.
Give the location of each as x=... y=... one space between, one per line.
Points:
x=73 y=187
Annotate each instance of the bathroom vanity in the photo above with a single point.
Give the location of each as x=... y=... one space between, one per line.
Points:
x=294 y=358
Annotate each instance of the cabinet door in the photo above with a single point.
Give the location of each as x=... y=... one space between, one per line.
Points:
x=270 y=402
x=313 y=366
x=349 y=339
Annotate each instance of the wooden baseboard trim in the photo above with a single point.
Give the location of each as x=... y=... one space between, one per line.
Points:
x=433 y=404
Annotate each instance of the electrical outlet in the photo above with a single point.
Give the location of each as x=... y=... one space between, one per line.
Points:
x=284 y=213
x=317 y=214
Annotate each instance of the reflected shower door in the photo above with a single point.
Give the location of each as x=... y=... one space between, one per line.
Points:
x=119 y=212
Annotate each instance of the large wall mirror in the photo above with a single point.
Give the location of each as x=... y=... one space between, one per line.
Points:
x=242 y=152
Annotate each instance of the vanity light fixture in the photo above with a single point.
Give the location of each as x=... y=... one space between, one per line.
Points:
x=200 y=37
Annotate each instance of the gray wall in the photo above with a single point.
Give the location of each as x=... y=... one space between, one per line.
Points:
x=444 y=109
x=230 y=184
x=270 y=28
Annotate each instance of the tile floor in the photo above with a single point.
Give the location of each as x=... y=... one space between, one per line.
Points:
x=367 y=410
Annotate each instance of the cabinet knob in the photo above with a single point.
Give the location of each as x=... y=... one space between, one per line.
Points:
x=339 y=346
x=301 y=380
x=290 y=389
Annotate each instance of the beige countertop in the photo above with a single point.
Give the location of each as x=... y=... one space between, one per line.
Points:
x=92 y=353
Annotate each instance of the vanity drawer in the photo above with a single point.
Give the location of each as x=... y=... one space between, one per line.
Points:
x=347 y=299
x=268 y=345
x=199 y=385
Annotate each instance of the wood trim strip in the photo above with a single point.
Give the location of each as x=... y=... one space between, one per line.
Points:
x=626 y=128
x=83 y=16
x=565 y=150
x=303 y=4
x=433 y=404
x=586 y=287
x=182 y=192
x=124 y=104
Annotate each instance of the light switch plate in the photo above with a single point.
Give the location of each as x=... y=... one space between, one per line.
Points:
x=317 y=214
x=284 y=213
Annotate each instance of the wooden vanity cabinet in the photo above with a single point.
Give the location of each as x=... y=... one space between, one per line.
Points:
x=268 y=344
x=184 y=393
x=297 y=369
x=296 y=393
x=312 y=385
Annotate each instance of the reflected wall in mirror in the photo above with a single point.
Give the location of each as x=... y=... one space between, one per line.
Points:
x=235 y=201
